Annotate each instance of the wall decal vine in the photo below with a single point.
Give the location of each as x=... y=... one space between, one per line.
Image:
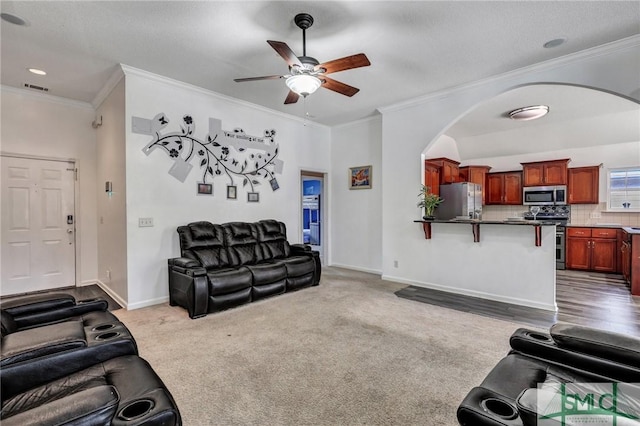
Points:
x=233 y=154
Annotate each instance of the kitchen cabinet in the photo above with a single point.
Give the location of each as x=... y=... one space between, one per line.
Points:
x=432 y=177
x=504 y=188
x=630 y=253
x=476 y=174
x=583 y=185
x=449 y=169
x=541 y=173
x=592 y=249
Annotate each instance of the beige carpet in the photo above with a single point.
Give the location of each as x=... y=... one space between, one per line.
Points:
x=348 y=352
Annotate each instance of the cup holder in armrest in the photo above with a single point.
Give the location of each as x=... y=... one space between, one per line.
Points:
x=107 y=336
x=499 y=408
x=103 y=327
x=136 y=409
x=539 y=336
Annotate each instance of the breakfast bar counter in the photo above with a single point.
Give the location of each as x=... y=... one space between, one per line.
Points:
x=475 y=226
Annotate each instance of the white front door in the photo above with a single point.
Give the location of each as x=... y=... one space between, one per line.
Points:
x=38 y=231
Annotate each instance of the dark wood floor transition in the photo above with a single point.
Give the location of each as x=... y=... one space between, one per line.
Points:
x=592 y=299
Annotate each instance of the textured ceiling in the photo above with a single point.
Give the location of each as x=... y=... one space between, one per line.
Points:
x=415 y=48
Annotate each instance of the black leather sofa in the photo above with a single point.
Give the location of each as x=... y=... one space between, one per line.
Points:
x=526 y=383
x=222 y=266
x=68 y=362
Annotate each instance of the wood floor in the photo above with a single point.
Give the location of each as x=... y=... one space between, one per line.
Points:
x=592 y=299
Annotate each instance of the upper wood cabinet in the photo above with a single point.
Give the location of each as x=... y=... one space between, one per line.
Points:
x=584 y=185
x=541 y=173
x=432 y=177
x=504 y=188
x=449 y=170
x=476 y=174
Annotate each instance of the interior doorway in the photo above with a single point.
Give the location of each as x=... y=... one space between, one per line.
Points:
x=313 y=211
x=38 y=225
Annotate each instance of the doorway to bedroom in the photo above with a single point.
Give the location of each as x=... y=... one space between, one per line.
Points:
x=313 y=211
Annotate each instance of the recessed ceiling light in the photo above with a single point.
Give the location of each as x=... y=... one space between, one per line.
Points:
x=555 y=42
x=529 y=113
x=14 y=19
x=37 y=71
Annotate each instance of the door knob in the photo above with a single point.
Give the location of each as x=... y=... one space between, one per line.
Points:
x=69 y=231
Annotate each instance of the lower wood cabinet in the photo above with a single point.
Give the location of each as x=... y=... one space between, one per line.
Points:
x=592 y=249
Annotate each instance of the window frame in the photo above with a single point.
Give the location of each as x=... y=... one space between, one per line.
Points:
x=610 y=208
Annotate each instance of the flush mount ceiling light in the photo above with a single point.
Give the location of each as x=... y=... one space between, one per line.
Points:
x=529 y=113
x=14 y=19
x=555 y=42
x=303 y=84
x=37 y=71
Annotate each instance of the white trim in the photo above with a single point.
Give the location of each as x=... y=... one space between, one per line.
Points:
x=186 y=86
x=87 y=283
x=626 y=43
x=36 y=157
x=149 y=302
x=375 y=117
x=357 y=268
x=108 y=87
x=113 y=294
x=46 y=97
x=474 y=293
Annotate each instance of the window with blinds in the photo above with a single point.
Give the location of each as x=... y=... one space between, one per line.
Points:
x=623 y=189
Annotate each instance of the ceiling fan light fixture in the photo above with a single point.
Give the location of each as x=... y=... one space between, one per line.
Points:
x=529 y=113
x=303 y=84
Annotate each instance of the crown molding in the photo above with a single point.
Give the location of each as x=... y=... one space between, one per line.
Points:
x=128 y=70
x=46 y=97
x=374 y=117
x=605 y=49
x=112 y=82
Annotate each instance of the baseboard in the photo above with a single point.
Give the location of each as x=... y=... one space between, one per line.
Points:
x=112 y=294
x=356 y=268
x=87 y=283
x=473 y=293
x=145 y=303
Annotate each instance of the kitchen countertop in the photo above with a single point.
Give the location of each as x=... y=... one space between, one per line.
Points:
x=629 y=229
x=492 y=222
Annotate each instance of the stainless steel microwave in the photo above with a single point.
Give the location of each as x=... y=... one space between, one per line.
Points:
x=544 y=195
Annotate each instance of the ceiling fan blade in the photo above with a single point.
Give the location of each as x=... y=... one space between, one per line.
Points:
x=346 y=63
x=337 y=86
x=292 y=97
x=266 y=77
x=285 y=51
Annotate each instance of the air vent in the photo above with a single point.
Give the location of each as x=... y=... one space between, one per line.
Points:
x=34 y=87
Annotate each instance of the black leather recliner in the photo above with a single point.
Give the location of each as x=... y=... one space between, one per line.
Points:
x=222 y=266
x=521 y=386
x=68 y=362
x=121 y=391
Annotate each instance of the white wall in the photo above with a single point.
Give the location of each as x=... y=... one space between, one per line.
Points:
x=410 y=127
x=112 y=230
x=46 y=126
x=152 y=192
x=356 y=216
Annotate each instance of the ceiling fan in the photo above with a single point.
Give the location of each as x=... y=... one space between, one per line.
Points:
x=306 y=73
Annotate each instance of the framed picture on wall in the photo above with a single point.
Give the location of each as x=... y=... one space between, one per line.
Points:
x=232 y=192
x=253 y=197
x=360 y=177
x=205 y=188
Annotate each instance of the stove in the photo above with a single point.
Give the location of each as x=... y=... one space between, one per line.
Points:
x=560 y=215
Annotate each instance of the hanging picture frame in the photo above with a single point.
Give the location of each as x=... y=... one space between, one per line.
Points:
x=253 y=197
x=360 y=177
x=205 y=189
x=232 y=192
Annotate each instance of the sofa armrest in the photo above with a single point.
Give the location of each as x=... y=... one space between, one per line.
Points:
x=617 y=347
x=189 y=288
x=187 y=266
x=37 y=303
x=300 y=248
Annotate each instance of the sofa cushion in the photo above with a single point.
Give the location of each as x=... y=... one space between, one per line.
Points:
x=272 y=240
x=240 y=239
x=299 y=265
x=223 y=281
x=203 y=242
x=266 y=273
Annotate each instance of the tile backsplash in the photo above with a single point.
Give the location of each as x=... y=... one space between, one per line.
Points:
x=581 y=214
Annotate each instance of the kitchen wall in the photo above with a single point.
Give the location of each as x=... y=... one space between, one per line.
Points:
x=152 y=193
x=414 y=125
x=50 y=127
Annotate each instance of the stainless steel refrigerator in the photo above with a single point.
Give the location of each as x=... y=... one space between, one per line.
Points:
x=461 y=200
